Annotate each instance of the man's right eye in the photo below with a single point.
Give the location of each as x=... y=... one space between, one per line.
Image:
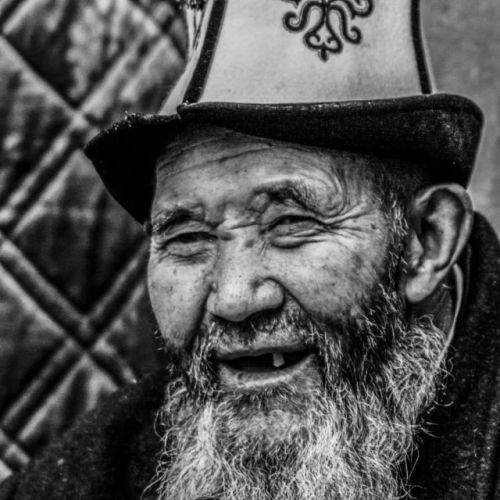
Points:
x=187 y=238
x=190 y=244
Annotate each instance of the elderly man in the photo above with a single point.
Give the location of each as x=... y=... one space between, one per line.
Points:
x=327 y=299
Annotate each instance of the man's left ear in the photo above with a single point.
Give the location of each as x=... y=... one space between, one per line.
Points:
x=440 y=225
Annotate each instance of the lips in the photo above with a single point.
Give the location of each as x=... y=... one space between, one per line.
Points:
x=267 y=362
x=265 y=366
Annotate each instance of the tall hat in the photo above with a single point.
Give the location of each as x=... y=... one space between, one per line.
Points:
x=344 y=74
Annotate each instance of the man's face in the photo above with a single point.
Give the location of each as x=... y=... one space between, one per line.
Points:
x=242 y=227
x=273 y=275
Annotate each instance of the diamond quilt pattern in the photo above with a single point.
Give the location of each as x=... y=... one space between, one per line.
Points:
x=75 y=321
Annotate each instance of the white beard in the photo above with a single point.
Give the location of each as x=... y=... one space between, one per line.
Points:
x=338 y=441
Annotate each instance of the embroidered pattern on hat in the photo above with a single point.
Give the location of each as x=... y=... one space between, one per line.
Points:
x=328 y=23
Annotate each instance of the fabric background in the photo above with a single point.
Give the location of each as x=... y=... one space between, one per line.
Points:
x=74 y=323
x=74 y=319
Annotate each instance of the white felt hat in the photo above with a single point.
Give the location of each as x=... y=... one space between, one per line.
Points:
x=345 y=74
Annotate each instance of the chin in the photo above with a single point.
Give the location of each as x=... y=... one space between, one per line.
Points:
x=271 y=418
x=268 y=428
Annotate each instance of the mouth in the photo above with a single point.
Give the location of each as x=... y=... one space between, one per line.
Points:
x=268 y=362
x=264 y=367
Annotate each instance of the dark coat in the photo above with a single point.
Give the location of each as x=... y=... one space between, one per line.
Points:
x=111 y=454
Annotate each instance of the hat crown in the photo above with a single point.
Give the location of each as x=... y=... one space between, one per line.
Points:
x=304 y=51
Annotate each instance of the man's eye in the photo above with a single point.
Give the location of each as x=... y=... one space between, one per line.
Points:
x=188 y=244
x=294 y=223
x=187 y=238
x=294 y=230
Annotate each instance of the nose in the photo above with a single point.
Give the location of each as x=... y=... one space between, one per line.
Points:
x=242 y=286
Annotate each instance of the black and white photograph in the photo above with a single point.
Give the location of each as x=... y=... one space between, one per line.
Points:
x=249 y=250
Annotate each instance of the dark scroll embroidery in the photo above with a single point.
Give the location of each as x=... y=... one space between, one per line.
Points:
x=328 y=23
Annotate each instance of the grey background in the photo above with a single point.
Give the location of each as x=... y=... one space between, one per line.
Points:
x=464 y=45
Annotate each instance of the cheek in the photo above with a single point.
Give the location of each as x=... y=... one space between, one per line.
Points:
x=178 y=295
x=328 y=278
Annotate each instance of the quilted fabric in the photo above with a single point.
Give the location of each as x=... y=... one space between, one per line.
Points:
x=74 y=320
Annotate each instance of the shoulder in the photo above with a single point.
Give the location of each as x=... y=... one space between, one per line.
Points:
x=93 y=458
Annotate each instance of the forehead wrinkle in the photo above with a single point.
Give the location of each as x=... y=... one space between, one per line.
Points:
x=223 y=140
x=347 y=172
x=194 y=153
x=175 y=150
x=198 y=160
x=197 y=136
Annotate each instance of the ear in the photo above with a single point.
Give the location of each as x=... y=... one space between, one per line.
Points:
x=440 y=225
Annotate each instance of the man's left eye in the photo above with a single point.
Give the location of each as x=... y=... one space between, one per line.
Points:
x=295 y=225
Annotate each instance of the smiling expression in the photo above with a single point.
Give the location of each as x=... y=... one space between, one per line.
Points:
x=243 y=226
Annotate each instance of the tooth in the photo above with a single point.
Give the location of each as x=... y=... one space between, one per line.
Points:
x=278 y=359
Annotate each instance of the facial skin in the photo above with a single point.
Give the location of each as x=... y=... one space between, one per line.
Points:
x=285 y=281
x=251 y=241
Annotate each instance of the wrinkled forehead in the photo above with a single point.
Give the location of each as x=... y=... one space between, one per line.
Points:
x=206 y=156
x=202 y=146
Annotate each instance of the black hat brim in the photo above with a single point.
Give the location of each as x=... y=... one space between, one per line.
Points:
x=440 y=131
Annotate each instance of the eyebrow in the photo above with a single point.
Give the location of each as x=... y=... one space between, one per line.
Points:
x=169 y=218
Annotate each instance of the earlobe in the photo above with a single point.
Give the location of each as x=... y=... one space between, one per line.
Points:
x=440 y=225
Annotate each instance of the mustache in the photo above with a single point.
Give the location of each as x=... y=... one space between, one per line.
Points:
x=290 y=324
x=353 y=348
